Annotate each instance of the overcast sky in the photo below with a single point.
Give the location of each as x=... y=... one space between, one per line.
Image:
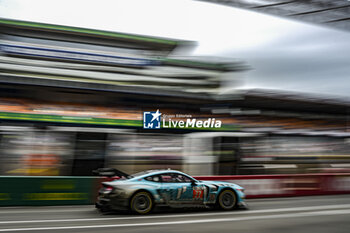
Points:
x=283 y=54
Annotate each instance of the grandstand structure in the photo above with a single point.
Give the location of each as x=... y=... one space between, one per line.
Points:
x=76 y=57
x=52 y=73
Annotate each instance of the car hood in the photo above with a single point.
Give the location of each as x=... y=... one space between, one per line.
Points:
x=221 y=183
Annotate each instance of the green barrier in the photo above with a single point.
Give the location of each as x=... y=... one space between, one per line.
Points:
x=68 y=119
x=46 y=190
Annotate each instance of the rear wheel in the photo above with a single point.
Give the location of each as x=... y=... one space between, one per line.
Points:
x=227 y=200
x=141 y=203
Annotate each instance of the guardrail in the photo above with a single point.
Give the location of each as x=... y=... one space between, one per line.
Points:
x=260 y=186
x=47 y=190
x=55 y=190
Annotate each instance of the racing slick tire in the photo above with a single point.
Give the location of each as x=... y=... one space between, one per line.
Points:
x=227 y=200
x=141 y=203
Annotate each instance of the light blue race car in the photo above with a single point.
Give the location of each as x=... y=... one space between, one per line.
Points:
x=142 y=191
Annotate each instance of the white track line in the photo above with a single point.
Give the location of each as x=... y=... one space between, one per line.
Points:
x=306 y=208
x=293 y=215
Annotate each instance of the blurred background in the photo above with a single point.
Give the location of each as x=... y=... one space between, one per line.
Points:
x=73 y=90
x=74 y=83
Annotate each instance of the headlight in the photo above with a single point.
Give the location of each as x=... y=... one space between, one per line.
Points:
x=241 y=190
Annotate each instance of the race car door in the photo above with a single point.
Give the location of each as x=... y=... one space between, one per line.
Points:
x=181 y=190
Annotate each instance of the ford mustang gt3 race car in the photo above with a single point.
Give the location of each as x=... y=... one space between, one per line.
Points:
x=142 y=191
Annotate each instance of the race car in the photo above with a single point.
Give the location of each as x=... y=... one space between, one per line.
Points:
x=142 y=191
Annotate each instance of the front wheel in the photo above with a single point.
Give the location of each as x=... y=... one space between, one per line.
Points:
x=141 y=203
x=227 y=200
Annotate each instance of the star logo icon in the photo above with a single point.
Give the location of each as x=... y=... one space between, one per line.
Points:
x=156 y=115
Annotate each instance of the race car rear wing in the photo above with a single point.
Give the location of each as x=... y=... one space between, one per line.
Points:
x=109 y=172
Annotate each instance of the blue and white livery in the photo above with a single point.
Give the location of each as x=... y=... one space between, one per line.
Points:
x=142 y=191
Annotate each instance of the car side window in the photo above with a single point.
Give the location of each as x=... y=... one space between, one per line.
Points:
x=153 y=178
x=174 y=178
x=167 y=178
x=181 y=178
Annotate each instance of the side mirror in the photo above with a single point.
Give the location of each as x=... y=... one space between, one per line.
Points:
x=193 y=182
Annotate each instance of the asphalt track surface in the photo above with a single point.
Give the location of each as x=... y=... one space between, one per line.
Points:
x=297 y=214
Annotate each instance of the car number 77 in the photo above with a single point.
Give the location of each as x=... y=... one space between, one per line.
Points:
x=198 y=194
